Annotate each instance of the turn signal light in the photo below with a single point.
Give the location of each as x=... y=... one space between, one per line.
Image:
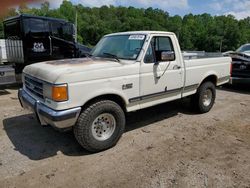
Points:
x=60 y=93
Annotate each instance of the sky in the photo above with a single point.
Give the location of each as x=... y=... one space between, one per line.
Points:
x=239 y=8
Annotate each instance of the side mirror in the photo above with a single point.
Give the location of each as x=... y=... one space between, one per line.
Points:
x=167 y=56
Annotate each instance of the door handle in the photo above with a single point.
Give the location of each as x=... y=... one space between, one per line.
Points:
x=176 y=67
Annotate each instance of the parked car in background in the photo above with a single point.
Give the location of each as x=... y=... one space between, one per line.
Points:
x=240 y=71
x=127 y=72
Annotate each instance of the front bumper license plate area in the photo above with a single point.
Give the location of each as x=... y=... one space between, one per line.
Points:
x=46 y=116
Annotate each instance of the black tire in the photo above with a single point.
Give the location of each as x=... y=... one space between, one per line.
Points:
x=83 y=128
x=197 y=99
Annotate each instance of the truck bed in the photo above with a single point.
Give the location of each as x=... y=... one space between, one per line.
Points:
x=200 y=55
x=195 y=69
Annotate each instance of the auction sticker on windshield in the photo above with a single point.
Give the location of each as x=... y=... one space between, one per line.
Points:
x=136 y=37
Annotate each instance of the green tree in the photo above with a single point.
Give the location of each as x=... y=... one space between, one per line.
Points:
x=195 y=32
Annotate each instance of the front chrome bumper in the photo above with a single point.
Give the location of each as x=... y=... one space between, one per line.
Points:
x=46 y=116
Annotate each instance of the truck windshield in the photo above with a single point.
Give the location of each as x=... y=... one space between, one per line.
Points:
x=119 y=46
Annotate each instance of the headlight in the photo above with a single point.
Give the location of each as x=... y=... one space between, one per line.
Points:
x=58 y=93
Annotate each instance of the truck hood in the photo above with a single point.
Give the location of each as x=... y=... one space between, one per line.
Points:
x=54 y=71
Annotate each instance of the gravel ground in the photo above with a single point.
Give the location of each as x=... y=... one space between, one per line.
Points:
x=164 y=146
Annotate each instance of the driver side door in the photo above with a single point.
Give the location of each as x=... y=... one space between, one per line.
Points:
x=160 y=81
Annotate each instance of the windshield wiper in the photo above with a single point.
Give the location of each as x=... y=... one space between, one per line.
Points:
x=112 y=55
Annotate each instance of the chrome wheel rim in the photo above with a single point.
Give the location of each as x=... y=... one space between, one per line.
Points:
x=103 y=126
x=207 y=97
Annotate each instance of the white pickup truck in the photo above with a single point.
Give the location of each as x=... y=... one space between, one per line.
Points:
x=125 y=72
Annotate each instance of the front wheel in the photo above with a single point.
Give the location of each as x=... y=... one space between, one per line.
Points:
x=205 y=97
x=100 y=126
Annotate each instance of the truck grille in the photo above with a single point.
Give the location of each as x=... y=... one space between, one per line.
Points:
x=34 y=86
x=241 y=69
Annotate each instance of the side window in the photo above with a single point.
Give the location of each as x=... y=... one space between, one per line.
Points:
x=165 y=44
x=35 y=26
x=62 y=30
x=157 y=45
x=68 y=32
x=57 y=29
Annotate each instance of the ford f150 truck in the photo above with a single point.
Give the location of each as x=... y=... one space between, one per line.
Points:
x=126 y=72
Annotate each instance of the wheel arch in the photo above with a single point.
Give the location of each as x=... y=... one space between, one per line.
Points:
x=212 y=78
x=112 y=97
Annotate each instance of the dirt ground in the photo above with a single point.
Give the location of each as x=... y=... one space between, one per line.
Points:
x=164 y=146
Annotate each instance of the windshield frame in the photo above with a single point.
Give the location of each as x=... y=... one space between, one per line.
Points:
x=116 y=35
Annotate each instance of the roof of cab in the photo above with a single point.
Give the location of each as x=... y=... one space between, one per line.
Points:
x=141 y=32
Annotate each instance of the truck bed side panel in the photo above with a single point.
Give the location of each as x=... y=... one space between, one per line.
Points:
x=199 y=69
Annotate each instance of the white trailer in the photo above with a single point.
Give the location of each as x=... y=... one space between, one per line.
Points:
x=3 y=55
x=7 y=72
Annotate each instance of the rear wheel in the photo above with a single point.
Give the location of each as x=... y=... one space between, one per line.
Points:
x=100 y=126
x=205 y=97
